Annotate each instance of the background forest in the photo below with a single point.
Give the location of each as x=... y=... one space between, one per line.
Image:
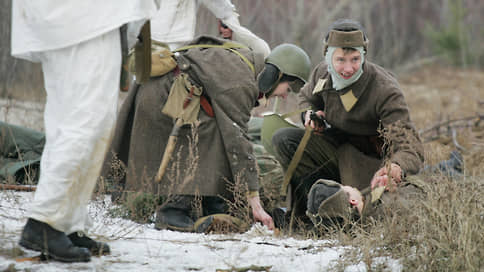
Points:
x=403 y=34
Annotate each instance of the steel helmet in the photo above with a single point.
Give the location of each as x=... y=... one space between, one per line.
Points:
x=291 y=60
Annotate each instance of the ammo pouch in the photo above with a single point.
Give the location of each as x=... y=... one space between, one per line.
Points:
x=184 y=100
x=161 y=61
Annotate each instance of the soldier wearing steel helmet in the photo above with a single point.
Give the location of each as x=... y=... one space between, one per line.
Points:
x=286 y=68
x=215 y=147
x=359 y=100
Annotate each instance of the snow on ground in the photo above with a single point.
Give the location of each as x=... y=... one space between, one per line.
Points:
x=137 y=247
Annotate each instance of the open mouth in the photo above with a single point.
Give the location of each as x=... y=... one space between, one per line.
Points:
x=346 y=76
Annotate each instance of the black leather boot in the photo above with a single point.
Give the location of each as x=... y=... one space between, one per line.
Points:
x=452 y=167
x=175 y=214
x=214 y=205
x=281 y=218
x=52 y=243
x=96 y=248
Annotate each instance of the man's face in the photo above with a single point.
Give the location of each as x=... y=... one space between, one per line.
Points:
x=346 y=64
x=282 y=90
x=225 y=31
x=355 y=197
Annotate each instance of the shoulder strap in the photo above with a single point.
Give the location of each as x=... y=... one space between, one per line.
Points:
x=295 y=160
x=231 y=46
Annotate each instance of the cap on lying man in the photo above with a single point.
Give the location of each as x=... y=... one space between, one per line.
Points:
x=328 y=199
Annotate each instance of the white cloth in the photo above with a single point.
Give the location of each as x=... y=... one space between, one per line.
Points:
x=175 y=23
x=80 y=112
x=41 y=25
x=78 y=44
x=246 y=37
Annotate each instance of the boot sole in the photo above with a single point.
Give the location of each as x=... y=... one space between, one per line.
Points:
x=203 y=227
x=96 y=248
x=35 y=247
x=160 y=226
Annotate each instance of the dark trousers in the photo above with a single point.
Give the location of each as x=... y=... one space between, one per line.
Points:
x=319 y=160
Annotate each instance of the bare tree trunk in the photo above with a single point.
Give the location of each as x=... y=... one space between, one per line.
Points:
x=5 y=10
x=396 y=30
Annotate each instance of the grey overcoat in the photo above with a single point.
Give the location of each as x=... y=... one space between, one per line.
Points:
x=207 y=155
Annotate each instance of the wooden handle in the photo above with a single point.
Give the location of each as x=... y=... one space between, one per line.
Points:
x=170 y=146
x=14 y=187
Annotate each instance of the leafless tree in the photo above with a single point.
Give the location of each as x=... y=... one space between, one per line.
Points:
x=396 y=30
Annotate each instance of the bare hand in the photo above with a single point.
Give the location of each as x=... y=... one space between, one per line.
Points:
x=309 y=122
x=381 y=177
x=259 y=214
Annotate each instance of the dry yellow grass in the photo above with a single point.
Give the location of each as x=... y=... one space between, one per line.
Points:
x=443 y=232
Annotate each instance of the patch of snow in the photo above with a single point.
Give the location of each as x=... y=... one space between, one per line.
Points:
x=139 y=247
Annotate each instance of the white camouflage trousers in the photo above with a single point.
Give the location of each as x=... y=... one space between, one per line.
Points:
x=82 y=85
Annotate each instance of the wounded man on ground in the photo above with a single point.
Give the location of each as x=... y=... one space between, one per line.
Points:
x=332 y=204
x=329 y=200
x=208 y=97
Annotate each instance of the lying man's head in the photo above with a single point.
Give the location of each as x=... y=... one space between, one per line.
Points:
x=329 y=199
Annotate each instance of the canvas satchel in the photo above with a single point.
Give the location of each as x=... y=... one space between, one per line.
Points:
x=184 y=100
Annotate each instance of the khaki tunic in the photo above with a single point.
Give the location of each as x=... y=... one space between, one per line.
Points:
x=208 y=155
x=380 y=104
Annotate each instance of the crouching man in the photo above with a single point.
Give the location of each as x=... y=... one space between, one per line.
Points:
x=219 y=88
x=365 y=136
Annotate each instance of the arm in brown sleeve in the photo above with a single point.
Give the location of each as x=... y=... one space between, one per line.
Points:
x=306 y=98
x=404 y=145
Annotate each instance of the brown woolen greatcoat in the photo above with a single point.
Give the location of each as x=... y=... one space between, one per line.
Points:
x=380 y=104
x=220 y=150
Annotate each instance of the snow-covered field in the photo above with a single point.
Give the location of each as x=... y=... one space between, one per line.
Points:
x=138 y=247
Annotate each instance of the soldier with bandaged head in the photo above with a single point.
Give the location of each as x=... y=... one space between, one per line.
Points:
x=368 y=138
